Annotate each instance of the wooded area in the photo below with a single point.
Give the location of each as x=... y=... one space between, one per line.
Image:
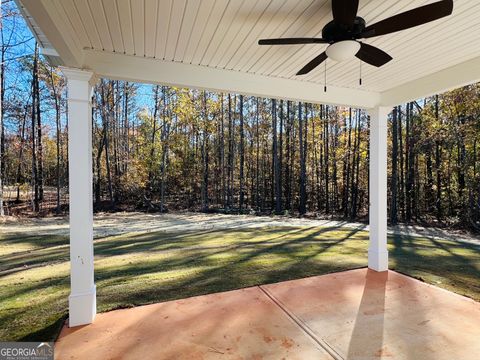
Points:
x=159 y=148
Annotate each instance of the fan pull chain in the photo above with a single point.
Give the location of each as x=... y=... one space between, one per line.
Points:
x=360 y=81
x=325 y=78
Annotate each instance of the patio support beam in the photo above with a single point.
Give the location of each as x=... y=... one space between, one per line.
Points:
x=377 y=250
x=149 y=70
x=82 y=299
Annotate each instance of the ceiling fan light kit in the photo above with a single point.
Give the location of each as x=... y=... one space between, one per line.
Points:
x=343 y=32
x=343 y=50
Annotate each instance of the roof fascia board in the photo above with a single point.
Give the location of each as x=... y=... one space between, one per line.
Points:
x=459 y=75
x=63 y=45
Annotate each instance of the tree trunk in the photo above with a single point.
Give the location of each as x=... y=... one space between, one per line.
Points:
x=153 y=136
x=346 y=167
x=165 y=135
x=205 y=158
x=302 y=208
x=275 y=160
x=394 y=181
x=334 y=164
x=401 y=197
x=222 y=152
x=280 y=155
x=288 y=169
x=316 y=165
x=105 y=103
x=20 y=177
x=57 y=99
x=58 y=167
x=438 y=164
x=320 y=166
x=39 y=130
x=230 y=153
x=242 y=154
x=257 y=171
x=2 y=129
x=356 y=167
x=410 y=164
x=327 y=161
x=36 y=199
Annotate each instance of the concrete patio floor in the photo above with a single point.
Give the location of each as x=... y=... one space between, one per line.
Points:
x=358 y=314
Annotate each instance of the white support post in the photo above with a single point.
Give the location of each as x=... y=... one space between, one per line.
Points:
x=377 y=250
x=82 y=299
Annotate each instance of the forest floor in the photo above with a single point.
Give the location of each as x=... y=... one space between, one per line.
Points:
x=106 y=224
x=147 y=258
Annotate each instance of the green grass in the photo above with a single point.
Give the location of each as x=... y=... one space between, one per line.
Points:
x=134 y=269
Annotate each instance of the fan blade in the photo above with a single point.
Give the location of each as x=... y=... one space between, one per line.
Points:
x=313 y=64
x=344 y=11
x=409 y=19
x=372 y=55
x=292 y=41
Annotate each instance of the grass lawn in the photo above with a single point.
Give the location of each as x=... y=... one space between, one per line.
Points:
x=141 y=268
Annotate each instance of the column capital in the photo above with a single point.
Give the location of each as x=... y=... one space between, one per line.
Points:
x=77 y=74
x=80 y=83
x=380 y=111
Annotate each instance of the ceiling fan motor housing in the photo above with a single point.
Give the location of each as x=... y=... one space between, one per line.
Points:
x=333 y=31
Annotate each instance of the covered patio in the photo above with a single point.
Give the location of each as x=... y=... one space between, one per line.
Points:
x=213 y=45
x=357 y=314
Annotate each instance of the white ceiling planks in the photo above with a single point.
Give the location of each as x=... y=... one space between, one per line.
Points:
x=223 y=35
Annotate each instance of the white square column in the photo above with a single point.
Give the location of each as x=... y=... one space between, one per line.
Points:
x=82 y=299
x=377 y=250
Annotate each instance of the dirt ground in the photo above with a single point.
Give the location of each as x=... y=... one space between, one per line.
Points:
x=107 y=224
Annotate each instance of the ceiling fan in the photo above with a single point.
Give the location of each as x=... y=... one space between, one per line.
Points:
x=346 y=28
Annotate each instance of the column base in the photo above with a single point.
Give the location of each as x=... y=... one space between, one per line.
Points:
x=82 y=308
x=378 y=260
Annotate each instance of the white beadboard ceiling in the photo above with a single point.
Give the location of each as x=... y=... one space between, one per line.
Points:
x=223 y=34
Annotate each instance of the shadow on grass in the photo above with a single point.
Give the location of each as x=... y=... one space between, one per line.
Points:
x=40 y=241
x=50 y=332
x=454 y=266
x=136 y=269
